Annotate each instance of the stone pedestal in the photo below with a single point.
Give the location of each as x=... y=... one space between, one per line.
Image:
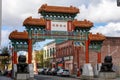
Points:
x=107 y=75
x=87 y=72
x=97 y=69
x=22 y=76
x=31 y=72
x=14 y=70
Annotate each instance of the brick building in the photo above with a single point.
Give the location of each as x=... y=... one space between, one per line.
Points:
x=48 y=53
x=64 y=55
x=110 y=46
x=67 y=54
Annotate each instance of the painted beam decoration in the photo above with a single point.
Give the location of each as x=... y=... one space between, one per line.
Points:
x=19 y=40
x=57 y=23
x=96 y=41
x=71 y=30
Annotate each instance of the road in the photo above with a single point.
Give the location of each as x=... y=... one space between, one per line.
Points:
x=4 y=78
x=48 y=77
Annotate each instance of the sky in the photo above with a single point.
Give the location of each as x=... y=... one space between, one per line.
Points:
x=105 y=14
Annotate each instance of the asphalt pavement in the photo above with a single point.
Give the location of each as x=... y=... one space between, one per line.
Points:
x=47 y=77
x=5 y=78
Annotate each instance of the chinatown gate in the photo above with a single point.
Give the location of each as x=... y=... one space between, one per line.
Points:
x=57 y=23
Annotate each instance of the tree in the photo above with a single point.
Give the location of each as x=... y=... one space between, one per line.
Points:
x=5 y=51
x=5 y=57
x=39 y=58
x=47 y=63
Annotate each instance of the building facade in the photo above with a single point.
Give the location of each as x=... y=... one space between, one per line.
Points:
x=67 y=56
x=111 y=46
x=64 y=55
x=72 y=57
x=48 y=54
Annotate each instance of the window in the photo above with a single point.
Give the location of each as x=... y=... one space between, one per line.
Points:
x=50 y=52
x=47 y=53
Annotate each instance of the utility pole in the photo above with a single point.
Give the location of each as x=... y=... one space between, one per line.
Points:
x=0 y=21
x=118 y=3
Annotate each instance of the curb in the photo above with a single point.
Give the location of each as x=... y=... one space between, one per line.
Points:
x=74 y=76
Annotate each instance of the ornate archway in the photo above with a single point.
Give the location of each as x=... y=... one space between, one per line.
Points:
x=57 y=23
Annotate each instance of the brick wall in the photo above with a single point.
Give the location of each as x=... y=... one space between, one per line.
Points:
x=111 y=46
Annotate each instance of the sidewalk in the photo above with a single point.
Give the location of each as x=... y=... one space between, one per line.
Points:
x=74 y=76
x=5 y=78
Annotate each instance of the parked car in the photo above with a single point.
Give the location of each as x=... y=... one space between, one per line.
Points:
x=47 y=72
x=51 y=71
x=55 y=71
x=42 y=71
x=5 y=73
x=63 y=72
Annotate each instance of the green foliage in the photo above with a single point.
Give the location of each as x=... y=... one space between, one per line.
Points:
x=39 y=58
x=5 y=51
x=5 y=57
x=47 y=63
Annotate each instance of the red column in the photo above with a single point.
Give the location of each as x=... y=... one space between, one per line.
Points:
x=58 y=52
x=87 y=51
x=14 y=57
x=99 y=57
x=29 y=51
x=74 y=51
x=78 y=61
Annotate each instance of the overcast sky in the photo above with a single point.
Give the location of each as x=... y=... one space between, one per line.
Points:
x=103 y=13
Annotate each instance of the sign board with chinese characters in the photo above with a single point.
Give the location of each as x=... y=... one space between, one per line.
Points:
x=64 y=35
x=58 y=26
